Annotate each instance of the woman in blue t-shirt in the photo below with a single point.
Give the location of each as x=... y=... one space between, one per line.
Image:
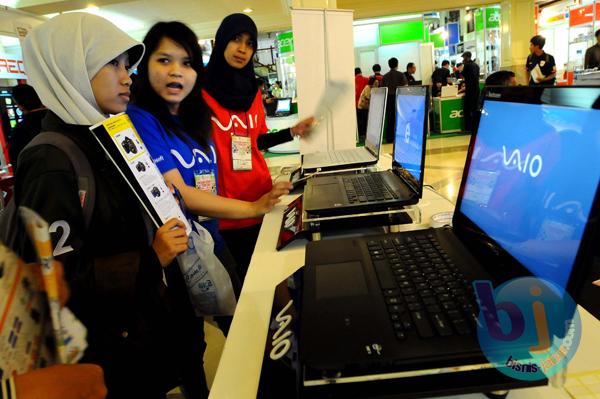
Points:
x=172 y=118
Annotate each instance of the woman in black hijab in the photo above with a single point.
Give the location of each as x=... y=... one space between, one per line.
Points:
x=239 y=129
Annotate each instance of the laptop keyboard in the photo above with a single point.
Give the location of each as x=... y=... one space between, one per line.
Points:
x=343 y=157
x=424 y=291
x=368 y=187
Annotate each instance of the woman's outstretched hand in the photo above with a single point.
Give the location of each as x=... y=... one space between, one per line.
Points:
x=303 y=127
x=270 y=199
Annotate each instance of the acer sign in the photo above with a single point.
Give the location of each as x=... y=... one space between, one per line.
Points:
x=11 y=67
x=457 y=113
x=448 y=114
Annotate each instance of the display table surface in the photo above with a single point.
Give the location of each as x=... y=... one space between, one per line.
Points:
x=239 y=369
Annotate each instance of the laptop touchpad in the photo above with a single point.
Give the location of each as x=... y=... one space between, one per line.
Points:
x=340 y=279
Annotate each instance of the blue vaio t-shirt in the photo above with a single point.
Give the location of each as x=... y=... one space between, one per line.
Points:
x=197 y=165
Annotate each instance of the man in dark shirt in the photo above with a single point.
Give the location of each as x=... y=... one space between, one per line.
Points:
x=392 y=80
x=545 y=62
x=33 y=112
x=410 y=72
x=377 y=72
x=592 y=55
x=439 y=78
x=471 y=78
x=501 y=78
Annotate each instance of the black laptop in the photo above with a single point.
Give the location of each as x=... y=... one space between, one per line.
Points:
x=528 y=206
x=373 y=191
x=284 y=107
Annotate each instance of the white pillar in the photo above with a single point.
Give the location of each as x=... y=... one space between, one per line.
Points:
x=324 y=52
x=517 y=29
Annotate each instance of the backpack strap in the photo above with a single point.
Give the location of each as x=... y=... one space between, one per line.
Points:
x=85 y=178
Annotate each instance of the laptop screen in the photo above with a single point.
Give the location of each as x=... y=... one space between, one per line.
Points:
x=411 y=105
x=284 y=105
x=375 y=121
x=532 y=180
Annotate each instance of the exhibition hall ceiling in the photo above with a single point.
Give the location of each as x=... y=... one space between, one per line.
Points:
x=204 y=16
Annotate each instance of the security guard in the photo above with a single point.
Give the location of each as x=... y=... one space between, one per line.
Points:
x=544 y=60
x=470 y=74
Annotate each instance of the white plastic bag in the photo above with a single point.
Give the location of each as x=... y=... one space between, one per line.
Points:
x=208 y=282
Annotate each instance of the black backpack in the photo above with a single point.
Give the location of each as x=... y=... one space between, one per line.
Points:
x=85 y=183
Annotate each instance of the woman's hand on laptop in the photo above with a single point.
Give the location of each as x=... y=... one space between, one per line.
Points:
x=265 y=203
x=303 y=127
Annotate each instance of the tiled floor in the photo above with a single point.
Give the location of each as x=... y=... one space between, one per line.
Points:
x=444 y=162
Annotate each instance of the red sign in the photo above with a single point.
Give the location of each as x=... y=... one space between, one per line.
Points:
x=11 y=68
x=583 y=15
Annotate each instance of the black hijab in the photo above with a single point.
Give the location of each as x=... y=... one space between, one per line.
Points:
x=233 y=88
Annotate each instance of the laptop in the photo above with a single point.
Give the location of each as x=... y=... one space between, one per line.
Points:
x=355 y=157
x=528 y=205
x=373 y=191
x=284 y=107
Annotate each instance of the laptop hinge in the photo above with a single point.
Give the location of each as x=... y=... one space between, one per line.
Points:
x=399 y=175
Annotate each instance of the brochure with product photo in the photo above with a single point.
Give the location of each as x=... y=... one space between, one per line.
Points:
x=35 y=331
x=24 y=324
x=125 y=148
x=69 y=334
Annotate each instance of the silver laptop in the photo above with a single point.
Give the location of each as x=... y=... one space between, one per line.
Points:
x=355 y=157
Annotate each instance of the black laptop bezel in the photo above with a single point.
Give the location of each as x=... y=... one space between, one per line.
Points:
x=505 y=266
x=372 y=151
x=397 y=168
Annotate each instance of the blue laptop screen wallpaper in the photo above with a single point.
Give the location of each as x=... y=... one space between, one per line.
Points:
x=408 y=143
x=531 y=184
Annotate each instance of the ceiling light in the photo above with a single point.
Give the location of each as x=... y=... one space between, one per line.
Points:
x=247 y=10
x=92 y=8
x=467 y=8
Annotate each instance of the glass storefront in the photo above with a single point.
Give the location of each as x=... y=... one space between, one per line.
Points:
x=568 y=27
x=450 y=32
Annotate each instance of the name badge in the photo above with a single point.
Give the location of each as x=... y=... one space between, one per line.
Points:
x=206 y=181
x=241 y=152
x=542 y=63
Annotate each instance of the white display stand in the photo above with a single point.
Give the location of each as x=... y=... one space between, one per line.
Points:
x=324 y=51
x=427 y=64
